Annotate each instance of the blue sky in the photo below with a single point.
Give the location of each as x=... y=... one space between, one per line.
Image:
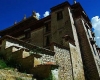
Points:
x=14 y=10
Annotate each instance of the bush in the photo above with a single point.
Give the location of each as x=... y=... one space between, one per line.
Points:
x=2 y=64
x=50 y=77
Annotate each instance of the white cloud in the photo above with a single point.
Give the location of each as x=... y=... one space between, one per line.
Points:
x=46 y=14
x=96 y=25
x=97 y=37
x=38 y=15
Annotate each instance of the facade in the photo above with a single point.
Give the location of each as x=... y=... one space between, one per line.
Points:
x=67 y=32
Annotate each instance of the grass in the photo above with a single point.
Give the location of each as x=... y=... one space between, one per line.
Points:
x=2 y=64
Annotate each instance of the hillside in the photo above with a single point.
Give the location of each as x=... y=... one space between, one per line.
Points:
x=8 y=73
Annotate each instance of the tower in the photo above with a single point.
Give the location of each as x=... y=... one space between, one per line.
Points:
x=87 y=44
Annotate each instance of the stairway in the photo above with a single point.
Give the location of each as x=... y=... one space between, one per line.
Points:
x=26 y=62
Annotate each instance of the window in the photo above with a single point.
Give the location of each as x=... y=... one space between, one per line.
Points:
x=59 y=15
x=47 y=40
x=48 y=27
x=27 y=33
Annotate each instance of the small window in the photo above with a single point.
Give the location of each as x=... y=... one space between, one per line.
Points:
x=47 y=40
x=27 y=34
x=59 y=15
x=48 y=27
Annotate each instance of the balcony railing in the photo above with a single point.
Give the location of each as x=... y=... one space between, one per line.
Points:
x=93 y=34
x=92 y=41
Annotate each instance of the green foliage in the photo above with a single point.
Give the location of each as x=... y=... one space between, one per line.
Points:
x=50 y=77
x=2 y=64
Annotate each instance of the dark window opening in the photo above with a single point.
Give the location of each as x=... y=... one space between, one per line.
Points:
x=48 y=27
x=27 y=34
x=59 y=15
x=47 y=40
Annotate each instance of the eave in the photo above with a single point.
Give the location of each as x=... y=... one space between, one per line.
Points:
x=19 y=28
x=17 y=25
x=60 y=6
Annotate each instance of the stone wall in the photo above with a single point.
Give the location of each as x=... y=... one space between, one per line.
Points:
x=62 y=58
x=78 y=71
x=45 y=59
x=68 y=59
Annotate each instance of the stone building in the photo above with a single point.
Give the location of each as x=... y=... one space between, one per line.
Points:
x=67 y=33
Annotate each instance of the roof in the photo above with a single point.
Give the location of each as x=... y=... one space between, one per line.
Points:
x=19 y=23
x=66 y=3
x=79 y=11
x=33 y=23
x=28 y=45
x=30 y=22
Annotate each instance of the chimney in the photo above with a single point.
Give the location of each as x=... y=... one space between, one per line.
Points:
x=75 y=2
x=15 y=22
x=34 y=14
x=24 y=17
